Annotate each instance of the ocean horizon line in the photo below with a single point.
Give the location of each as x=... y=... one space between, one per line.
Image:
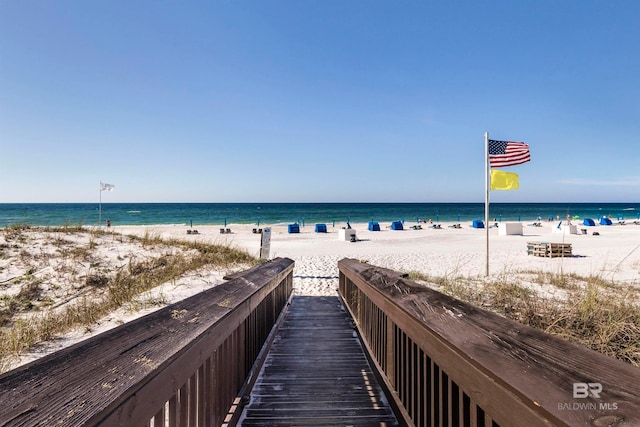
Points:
x=320 y=202
x=142 y=213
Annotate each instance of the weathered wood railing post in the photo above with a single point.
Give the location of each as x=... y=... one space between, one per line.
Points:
x=448 y=363
x=182 y=365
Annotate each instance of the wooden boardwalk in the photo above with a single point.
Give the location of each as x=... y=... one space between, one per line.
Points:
x=316 y=373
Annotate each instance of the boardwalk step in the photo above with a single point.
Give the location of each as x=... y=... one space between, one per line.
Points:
x=316 y=373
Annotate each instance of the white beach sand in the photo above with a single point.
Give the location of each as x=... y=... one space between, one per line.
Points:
x=614 y=254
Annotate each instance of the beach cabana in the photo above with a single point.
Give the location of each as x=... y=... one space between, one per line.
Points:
x=293 y=228
x=477 y=223
x=396 y=225
x=374 y=226
x=605 y=221
x=321 y=228
x=589 y=222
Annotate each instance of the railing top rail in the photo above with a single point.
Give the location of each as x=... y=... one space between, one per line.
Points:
x=80 y=382
x=536 y=368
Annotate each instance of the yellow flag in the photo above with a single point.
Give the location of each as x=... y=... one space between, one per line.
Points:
x=501 y=180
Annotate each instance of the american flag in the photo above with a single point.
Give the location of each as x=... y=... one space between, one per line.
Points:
x=507 y=153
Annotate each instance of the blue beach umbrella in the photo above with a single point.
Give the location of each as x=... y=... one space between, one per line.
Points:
x=225 y=222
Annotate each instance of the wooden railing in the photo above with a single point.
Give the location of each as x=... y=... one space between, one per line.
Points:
x=182 y=365
x=447 y=363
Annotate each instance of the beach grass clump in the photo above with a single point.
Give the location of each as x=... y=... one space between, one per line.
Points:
x=592 y=311
x=596 y=319
x=91 y=288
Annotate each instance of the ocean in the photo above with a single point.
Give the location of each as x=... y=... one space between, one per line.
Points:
x=60 y=214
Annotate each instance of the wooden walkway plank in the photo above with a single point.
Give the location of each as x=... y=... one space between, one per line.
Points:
x=316 y=373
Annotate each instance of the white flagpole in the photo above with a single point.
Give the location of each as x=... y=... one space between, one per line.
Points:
x=100 y=205
x=486 y=198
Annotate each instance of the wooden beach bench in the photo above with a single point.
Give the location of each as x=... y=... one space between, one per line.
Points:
x=549 y=250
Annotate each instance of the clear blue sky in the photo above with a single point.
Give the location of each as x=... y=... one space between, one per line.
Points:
x=292 y=101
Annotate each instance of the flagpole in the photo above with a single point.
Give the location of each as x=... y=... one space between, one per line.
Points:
x=486 y=197
x=100 y=204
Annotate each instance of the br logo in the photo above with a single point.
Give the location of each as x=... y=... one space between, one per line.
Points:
x=583 y=390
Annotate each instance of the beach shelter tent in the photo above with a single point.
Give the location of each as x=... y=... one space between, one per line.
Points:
x=374 y=226
x=321 y=228
x=589 y=222
x=477 y=223
x=293 y=228
x=396 y=225
x=605 y=221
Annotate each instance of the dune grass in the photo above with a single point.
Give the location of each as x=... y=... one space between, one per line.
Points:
x=25 y=317
x=600 y=314
x=593 y=311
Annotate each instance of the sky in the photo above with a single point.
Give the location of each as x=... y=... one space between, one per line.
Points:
x=317 y=101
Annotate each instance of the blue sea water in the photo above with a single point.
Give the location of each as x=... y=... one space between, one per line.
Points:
x=57 y=214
